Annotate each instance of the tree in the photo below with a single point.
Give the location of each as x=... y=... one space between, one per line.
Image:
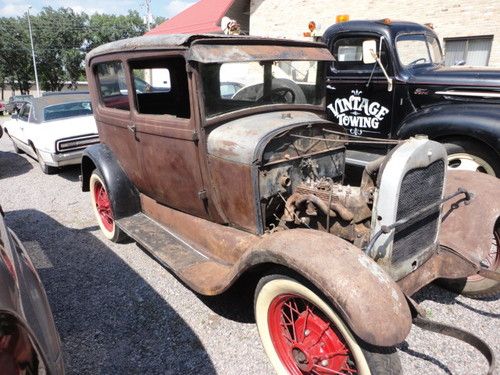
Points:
x=58 y=36
x=15 y=57
x=105 y=28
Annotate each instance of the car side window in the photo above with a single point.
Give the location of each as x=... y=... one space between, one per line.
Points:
x=348 y=53
x=161 y=86
x=24 y=112
x=112 y=85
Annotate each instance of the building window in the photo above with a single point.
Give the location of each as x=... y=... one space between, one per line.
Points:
x=473 y=51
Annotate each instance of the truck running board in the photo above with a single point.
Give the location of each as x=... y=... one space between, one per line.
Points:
x=174 y=253
x=460 y=334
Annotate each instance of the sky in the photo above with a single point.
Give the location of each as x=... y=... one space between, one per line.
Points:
x=164 y=8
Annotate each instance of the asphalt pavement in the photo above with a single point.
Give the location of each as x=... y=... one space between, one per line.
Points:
x=118 y=311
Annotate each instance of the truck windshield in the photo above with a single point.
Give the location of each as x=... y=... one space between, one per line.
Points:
x=235 y=86
x=418 y=49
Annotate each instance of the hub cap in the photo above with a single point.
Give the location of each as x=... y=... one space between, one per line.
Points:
x=103 y=206
x=306 y=340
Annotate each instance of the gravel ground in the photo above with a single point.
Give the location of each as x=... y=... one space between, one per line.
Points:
x=118 y=311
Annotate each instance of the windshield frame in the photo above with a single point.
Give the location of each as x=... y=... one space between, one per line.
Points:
x=318 y=104
x=427 y=36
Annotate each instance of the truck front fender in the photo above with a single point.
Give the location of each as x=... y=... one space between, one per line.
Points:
x=366 y=297
x=123 y=195
x=475 y=121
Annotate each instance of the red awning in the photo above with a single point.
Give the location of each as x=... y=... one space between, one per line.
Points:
x=201 y=17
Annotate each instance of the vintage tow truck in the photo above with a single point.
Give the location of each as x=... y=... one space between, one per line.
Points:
x=231 y=169
x=389 y=81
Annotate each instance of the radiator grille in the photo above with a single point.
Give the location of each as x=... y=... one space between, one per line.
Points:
x=420 y=187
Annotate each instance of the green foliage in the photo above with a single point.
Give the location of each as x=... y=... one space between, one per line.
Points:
x=61 y=38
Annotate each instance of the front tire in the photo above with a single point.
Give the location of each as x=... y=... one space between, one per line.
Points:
x=302 y=334
x=103 y=209
x=464 y=155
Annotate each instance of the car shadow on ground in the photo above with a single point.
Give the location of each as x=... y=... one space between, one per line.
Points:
x=12 y=164
x=111 y=321
x=234 y=304
x=404 y=347
x=70 y=172
x=440 y=295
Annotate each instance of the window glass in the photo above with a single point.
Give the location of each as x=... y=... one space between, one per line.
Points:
x=161 y=87
x=468 y=51
x=235 y=86
x=348 y=53
x=112 y=85
x=65 y=110
x=418 y=49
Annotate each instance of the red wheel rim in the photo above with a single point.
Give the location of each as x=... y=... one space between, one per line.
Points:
x=306 y=341
x=103 y=206
x=492 y=261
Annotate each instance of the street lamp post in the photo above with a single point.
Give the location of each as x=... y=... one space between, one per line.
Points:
x=33 y=53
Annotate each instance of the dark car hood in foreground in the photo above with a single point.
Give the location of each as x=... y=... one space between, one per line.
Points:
x=459 y=76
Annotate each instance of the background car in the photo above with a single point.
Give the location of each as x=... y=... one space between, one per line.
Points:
x=54 y=129
x=29 y=342
x=16 y=102
x=2 y=107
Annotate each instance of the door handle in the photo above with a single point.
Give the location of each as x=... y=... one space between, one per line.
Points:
x=132 y=128
x=331 y=87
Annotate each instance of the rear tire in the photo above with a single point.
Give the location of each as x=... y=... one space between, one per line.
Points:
x=103 y=209
x=284 y=308
x=466 y=155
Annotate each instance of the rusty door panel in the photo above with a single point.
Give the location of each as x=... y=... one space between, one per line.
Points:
x=112 y=132
x=221 y=242
x=238 y=199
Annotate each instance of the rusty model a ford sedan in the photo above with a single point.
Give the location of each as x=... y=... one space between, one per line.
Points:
x=217 y=184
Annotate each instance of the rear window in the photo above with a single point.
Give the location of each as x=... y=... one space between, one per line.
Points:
x=65 y=110
x=112 y=85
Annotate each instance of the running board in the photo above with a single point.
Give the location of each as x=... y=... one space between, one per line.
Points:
x=196 y=269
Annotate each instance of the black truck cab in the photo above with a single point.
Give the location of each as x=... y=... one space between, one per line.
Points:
x=409 y=91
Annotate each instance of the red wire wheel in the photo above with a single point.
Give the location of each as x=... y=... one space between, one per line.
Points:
x=103 y=208
x=305 y=339
x=302 y=334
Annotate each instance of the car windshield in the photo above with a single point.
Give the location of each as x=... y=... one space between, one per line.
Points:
x=418 y=49
x=235 y=86
x=65 y=110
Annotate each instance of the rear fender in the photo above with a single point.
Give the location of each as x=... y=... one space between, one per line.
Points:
x=468 y=228
x=123 y=195
x=369 y=301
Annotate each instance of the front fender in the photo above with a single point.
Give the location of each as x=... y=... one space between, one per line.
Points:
x=123 y=195
x=468 y=228
x=477 y=121
x=369 y=301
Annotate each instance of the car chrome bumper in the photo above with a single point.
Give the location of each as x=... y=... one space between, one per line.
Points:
x=62 y=159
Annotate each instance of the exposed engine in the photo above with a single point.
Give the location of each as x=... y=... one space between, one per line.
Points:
x=301 y=185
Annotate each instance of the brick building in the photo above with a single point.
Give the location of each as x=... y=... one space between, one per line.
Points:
x=469 y=31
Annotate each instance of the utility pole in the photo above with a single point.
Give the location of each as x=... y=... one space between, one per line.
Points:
x=33 y=54
x=149 y=15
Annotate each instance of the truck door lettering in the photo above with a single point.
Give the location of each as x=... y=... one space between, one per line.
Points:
x=358 y=112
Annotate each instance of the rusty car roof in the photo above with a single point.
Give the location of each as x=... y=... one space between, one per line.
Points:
x=204 y=41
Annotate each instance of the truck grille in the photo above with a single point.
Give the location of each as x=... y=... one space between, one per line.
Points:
x=420 y=187
x=76 y=143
